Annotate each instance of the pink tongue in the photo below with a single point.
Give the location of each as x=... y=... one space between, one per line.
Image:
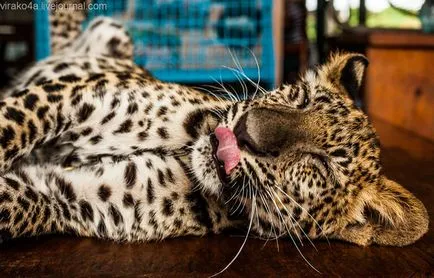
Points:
x=228 y=150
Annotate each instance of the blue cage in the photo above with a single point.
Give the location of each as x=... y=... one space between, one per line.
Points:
x=189 y=41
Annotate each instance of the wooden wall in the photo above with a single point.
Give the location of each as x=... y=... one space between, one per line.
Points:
x=400 y=80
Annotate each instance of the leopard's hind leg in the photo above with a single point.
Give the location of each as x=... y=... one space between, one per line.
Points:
x=65 y=23
x=104 y=36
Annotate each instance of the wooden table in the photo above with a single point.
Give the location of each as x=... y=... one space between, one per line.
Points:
x=407 y=159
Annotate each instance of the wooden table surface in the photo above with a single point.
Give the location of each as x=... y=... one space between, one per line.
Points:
x=406 y=158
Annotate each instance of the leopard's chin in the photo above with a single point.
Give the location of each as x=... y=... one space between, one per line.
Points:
x=206 y=167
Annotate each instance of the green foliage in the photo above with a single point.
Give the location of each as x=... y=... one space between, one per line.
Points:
x=310 y=26
x=388 y=18
x=391 y=18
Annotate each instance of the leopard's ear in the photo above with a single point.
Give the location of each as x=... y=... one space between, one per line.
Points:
x=391 y=215
x=345 y=72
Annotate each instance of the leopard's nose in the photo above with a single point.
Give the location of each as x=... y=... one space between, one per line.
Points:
x=265 y=131
x=244 y=139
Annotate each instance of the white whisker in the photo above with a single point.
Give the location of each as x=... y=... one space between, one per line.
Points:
x=278 y=198
x=295 y=244
x=301 y=207
x=244 y=242
x=283 y=219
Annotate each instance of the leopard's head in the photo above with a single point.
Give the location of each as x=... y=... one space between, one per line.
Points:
x=309 y=164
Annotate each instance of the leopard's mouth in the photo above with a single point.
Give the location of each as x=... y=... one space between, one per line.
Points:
x=218 y=164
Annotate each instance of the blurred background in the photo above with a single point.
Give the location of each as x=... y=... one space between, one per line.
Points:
x=206 y=42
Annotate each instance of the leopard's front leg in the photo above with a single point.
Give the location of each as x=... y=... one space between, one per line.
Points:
x=25 y=210
x=142 y=198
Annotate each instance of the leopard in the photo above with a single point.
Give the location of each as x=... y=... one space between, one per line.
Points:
x=95 y=146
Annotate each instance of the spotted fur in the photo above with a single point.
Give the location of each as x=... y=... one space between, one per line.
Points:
x=93 y=145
